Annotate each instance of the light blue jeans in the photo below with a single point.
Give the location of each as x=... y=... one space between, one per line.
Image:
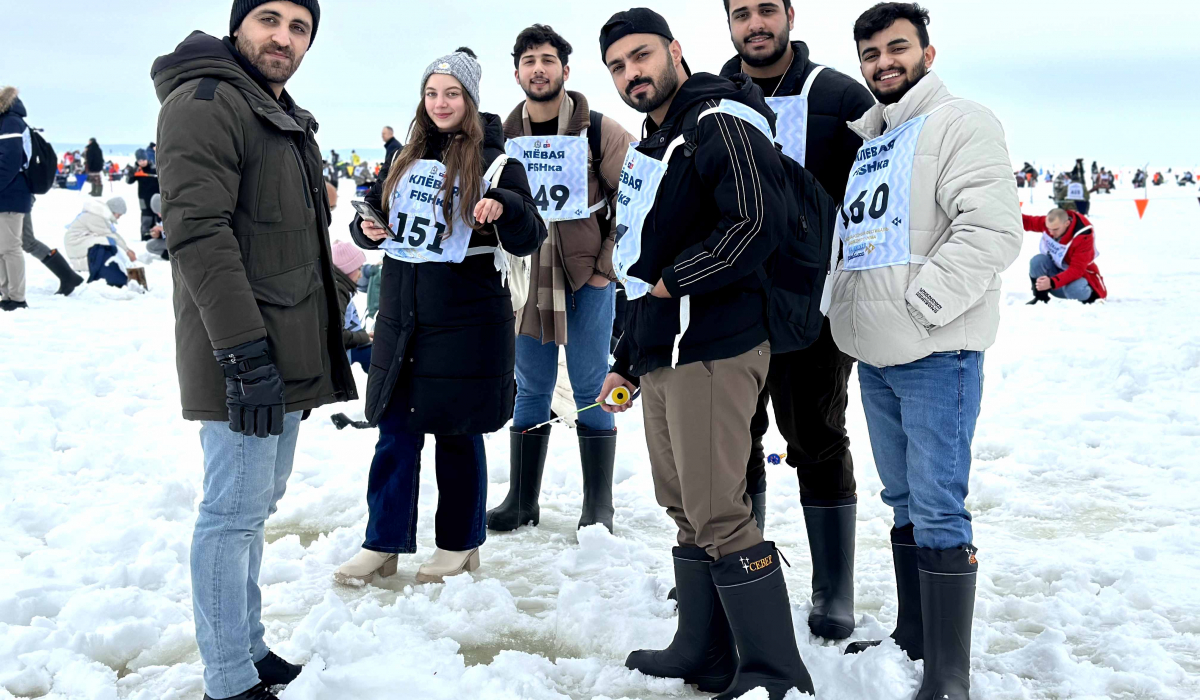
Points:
x=244 y=478
x=589 y=341
x=1042 y=265
x=921 y=419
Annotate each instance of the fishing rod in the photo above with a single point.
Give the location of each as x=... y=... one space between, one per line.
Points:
x=619 y=397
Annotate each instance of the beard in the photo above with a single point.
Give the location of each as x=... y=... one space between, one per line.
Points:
x=778 y=50
x=663 y=87
x=272 y=71
x=549 y=96
x=897 y=93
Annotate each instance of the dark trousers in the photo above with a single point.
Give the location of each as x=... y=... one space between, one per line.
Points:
x=98 y=255
x=394 y=484
x=361 y=357
x=808 y=389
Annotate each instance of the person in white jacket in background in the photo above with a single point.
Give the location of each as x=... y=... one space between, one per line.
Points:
x=930 y=220
x=93 y=245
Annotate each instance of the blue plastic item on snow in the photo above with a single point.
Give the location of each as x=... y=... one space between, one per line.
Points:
x=776 y=459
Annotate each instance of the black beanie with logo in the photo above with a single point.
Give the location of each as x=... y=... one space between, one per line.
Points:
x=241 y=8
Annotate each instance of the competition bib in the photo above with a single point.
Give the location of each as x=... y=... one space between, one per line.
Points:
x=1057 y=251
x=556 y=167
x=1075 y=190
x=873 y=221
x=415 y=214
x=792 y=119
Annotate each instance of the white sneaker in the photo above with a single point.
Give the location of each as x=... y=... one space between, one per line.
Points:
x=362 y=568
x=445 y=563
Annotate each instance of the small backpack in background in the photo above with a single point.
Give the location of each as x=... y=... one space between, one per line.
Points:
x=42 y=168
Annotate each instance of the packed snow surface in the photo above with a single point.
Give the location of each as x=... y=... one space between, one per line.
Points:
x=1085 y=493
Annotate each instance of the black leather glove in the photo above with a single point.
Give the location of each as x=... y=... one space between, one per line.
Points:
x=253 y=390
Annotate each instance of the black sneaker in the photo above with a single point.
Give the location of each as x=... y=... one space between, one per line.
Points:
x=258 y=692
x=274 y=671
x=10 y=305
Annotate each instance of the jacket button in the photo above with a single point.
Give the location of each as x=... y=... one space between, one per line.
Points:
x=412 y=410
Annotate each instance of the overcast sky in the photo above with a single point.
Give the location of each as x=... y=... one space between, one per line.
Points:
x=1099 y=79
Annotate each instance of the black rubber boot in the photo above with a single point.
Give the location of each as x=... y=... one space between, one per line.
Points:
x=1042 y=296
x=831 y=542
x=909 y=633
x=702 y=652
x=1092 y=298
x=67 y=278
x=758 y=506
x=755 y=598
x=947 y=610
x=527 y=458
x=258 y=692
x=273 y=671
x=597 y=452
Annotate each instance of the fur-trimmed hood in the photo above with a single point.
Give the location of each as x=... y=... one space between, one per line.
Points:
x=9 y=101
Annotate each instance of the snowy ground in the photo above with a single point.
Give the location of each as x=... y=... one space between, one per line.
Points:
x=1085 y=495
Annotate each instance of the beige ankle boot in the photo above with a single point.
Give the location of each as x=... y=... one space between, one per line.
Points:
x=362 y=568
x=445 y=563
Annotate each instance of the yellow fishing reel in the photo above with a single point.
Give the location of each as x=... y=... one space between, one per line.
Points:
x=619 y=396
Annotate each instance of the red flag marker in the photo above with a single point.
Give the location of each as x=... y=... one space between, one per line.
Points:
x=1141 y=205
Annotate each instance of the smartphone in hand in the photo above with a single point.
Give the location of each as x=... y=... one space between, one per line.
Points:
x=369 y=212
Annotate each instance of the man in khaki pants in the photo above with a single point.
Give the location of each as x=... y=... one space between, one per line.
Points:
x=702 y=205
x=16 y=200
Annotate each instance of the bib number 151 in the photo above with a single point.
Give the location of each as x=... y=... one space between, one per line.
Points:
x=858 y=208
x=417 y=233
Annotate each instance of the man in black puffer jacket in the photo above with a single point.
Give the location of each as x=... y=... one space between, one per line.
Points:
x=702 y=206
x=808 y=388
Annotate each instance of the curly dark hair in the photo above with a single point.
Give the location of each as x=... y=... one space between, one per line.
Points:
x=885 y=14
x=535 y=36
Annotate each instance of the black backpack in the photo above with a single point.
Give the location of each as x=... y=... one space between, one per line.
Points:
x=597 y=148
x=42 y=168
x=794 y=277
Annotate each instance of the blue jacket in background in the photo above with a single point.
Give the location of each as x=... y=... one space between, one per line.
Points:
x=15 y=196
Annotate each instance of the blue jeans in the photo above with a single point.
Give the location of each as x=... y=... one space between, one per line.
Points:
x=921 y=419
x=395 y=483
x=1043 y=265
x=589 y=335
x=244 y=478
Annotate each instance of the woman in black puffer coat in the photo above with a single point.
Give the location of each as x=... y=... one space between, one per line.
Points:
x=443 y=358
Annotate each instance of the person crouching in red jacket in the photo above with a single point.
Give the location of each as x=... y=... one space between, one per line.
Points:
x=1066 y=266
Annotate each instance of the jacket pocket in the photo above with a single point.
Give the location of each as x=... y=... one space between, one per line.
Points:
x=276 y=253
x=291 y=311
x=656 y=322
x=268 y=208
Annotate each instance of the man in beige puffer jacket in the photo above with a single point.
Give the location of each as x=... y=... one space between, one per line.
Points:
x=930 y=220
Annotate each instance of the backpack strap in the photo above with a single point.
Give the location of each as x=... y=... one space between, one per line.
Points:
x=207 y=89
x=595 y=119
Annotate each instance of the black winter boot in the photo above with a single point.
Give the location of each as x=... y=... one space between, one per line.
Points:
x=758 y=506
x=909 y=632
x=1092 y=298
x=10 y=305
x=527 y=459
x=754 y=595
x=258 y=692
x=67 y=278
x=273 y=671
x=831 y=542
x=597 y=452
x=702 y=652
x=1042 y=296
x=947 y=610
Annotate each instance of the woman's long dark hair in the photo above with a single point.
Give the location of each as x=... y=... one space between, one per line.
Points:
x=462 y=157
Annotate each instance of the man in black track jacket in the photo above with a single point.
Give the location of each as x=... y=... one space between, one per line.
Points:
x=808 y=388
x=702 y=205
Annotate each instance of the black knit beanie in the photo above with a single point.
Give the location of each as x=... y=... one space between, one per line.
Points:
x=241 y=8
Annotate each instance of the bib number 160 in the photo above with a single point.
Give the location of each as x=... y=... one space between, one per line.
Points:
x=559 y=193
x=417 y=233
x=858 y=208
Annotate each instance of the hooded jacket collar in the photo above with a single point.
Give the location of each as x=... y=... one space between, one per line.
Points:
x=574 y=115
x=9 y=102
x=100 y=209
x=789 y=84
x=927 y=94
x=702 y=87
x=204 y=56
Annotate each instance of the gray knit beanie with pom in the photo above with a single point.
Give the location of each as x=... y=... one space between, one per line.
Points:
x=462 y=65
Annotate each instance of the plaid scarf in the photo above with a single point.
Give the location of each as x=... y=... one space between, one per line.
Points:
x=544 y=316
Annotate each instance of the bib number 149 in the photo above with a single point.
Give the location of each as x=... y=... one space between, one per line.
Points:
x=559 y=193
x=417 y=233
x=858 y=208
